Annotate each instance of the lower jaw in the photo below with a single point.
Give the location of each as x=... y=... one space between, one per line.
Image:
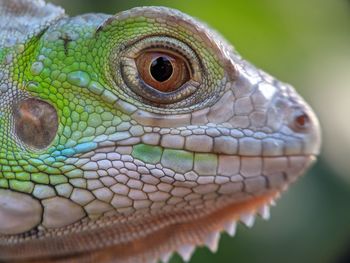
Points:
x=184 y=237
x=146 y=239
x=155 y=239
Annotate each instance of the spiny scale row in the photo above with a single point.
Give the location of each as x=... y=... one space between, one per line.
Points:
x=212 y=240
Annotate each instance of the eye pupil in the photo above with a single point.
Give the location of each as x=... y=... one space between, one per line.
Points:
x=164 y=72
x=161 y=69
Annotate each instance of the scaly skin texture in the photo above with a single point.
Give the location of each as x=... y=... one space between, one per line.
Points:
x=97 y=166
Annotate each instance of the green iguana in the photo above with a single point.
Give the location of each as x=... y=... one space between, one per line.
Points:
x=126 y=138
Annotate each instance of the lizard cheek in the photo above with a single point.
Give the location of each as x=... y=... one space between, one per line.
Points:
x=36 y=123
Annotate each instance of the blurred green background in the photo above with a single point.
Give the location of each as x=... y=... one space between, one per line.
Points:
x=306 y=43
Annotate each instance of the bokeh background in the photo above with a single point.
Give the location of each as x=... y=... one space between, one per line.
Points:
x=306 y=43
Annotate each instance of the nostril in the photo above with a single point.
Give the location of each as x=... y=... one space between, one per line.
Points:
x=300 y=121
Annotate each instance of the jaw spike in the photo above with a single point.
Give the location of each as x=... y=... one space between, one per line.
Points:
x=186 y=252
x=230 y=227
x=264 y=212
x=166 y=257
x=212 y=241
x=285 y=187
x=248 y=220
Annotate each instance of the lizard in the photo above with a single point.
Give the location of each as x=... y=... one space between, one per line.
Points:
x=129 y=137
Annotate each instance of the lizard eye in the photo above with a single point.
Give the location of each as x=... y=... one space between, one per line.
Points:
x=162 y=71
x=159 y=70
x=36 y=123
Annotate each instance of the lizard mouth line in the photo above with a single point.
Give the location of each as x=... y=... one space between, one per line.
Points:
x=220 y=141
x=160 y=162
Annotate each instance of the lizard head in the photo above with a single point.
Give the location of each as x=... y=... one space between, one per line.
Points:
x=148 y=127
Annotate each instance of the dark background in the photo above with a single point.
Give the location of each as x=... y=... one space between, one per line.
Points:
x=306 y=43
